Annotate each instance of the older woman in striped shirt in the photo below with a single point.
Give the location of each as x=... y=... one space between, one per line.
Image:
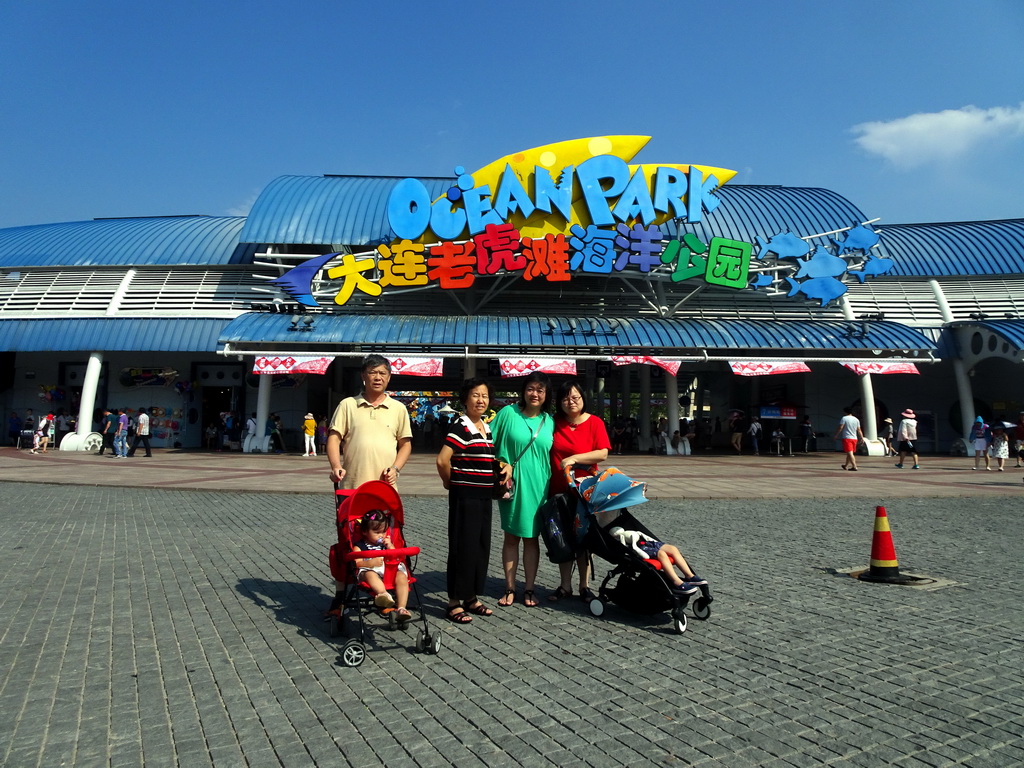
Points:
x=466 y=466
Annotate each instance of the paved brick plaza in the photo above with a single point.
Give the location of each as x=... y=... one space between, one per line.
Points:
x=181 y=627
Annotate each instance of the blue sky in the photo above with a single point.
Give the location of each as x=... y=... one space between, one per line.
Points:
x=912 y=110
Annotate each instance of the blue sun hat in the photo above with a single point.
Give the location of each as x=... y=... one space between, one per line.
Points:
x=979 y=420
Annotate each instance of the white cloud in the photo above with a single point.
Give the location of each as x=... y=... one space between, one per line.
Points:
x=244 y=207
x=938 y=136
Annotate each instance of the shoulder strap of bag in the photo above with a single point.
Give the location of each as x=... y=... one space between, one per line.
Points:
x=543 y=418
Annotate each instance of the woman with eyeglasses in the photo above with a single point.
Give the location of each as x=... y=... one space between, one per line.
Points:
x=522 y=441
x=466 y=466
x=580 y=441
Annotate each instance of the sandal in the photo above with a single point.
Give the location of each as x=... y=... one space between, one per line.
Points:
x=403 y=615
x=508 y=599
x=587 y=595
x=529 y=599
x=559 y=594
x=461 y=617
x=477 y=608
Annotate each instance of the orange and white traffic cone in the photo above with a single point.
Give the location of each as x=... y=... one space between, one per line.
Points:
x=884 y=566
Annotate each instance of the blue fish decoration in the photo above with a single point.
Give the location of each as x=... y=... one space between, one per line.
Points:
x=762 y=280
x=824 y=289
x=860 y=238
x=821 y=264
x=297 y=282
x=872 y=268
x=784 y=245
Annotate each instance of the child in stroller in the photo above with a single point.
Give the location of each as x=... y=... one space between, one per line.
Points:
x=668 y=555
x=370 y=570
x=370 y=521
x=638 y=582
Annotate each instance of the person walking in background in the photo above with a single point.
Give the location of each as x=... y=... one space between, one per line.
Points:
x=886 y=437
x=141 y=434
x=850 y=433
x=906 y=437
x=321 y=435
x=309 y=433
x=979 y=440
x=108 y=426
x=1018 y=438
x=121 y=434
x=755 y=432
x=1000 y=445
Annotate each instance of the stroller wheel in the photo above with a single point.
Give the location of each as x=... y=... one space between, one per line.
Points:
x=701 y=608
x=434 y=644
x=596 y=607
x=353 y=654
x=679 y=622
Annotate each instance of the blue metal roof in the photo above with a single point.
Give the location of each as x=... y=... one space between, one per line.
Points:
x=733 y=336
x=1010 y=330
x=965 y=248
x=111 y=334
x=166 y=241
x=748 y=211
x=327 y=210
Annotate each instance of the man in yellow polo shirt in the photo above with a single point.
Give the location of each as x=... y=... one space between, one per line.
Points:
x=370 y=436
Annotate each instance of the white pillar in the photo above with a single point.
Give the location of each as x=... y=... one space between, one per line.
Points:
x=87 y=406
x=964 y=391
x=867 y=397
x=262 y=411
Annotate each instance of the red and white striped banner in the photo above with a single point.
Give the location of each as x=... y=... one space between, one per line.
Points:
x=292 y=364
x=764 y=368
x=862 y=368
x=523 y=366
x=416 y=366
x=671 y=366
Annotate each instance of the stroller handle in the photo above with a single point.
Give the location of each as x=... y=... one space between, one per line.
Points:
x=389 y=555
x=570 y=474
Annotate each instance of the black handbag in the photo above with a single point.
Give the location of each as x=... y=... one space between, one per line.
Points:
x=557 y=520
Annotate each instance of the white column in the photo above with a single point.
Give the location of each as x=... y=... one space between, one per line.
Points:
x=867 y=397
x=262 y=411
x=964 y=391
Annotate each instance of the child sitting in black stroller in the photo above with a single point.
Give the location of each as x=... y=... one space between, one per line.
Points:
x=643 y=579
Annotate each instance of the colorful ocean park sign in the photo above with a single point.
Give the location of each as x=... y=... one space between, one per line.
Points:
x=571 y=208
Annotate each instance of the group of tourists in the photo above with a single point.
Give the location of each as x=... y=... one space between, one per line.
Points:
x=528 y=452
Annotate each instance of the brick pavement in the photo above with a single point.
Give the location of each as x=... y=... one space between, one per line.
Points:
x=181 y=627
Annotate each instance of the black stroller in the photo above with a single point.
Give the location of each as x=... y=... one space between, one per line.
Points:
x=635 y=583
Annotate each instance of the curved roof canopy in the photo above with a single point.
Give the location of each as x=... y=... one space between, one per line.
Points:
x=159 y=241
x=965 y=248
x=651 y=336
x=327 y=210
x=747 y=212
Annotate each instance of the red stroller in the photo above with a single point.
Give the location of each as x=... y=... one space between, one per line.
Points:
x=356 y=600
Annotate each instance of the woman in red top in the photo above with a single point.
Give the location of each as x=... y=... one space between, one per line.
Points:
x=581 y=441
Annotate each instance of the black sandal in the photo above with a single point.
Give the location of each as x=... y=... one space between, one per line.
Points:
x=458 y=618
x=530 y=599
x=508 y=599
x=587 y=595
x=476 y=608
x=559 y=594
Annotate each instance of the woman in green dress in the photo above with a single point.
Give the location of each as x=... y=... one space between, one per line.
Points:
x=522 y=439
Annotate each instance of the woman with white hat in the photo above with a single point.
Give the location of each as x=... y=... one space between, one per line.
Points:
x=309 y=432
x=906 y=435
